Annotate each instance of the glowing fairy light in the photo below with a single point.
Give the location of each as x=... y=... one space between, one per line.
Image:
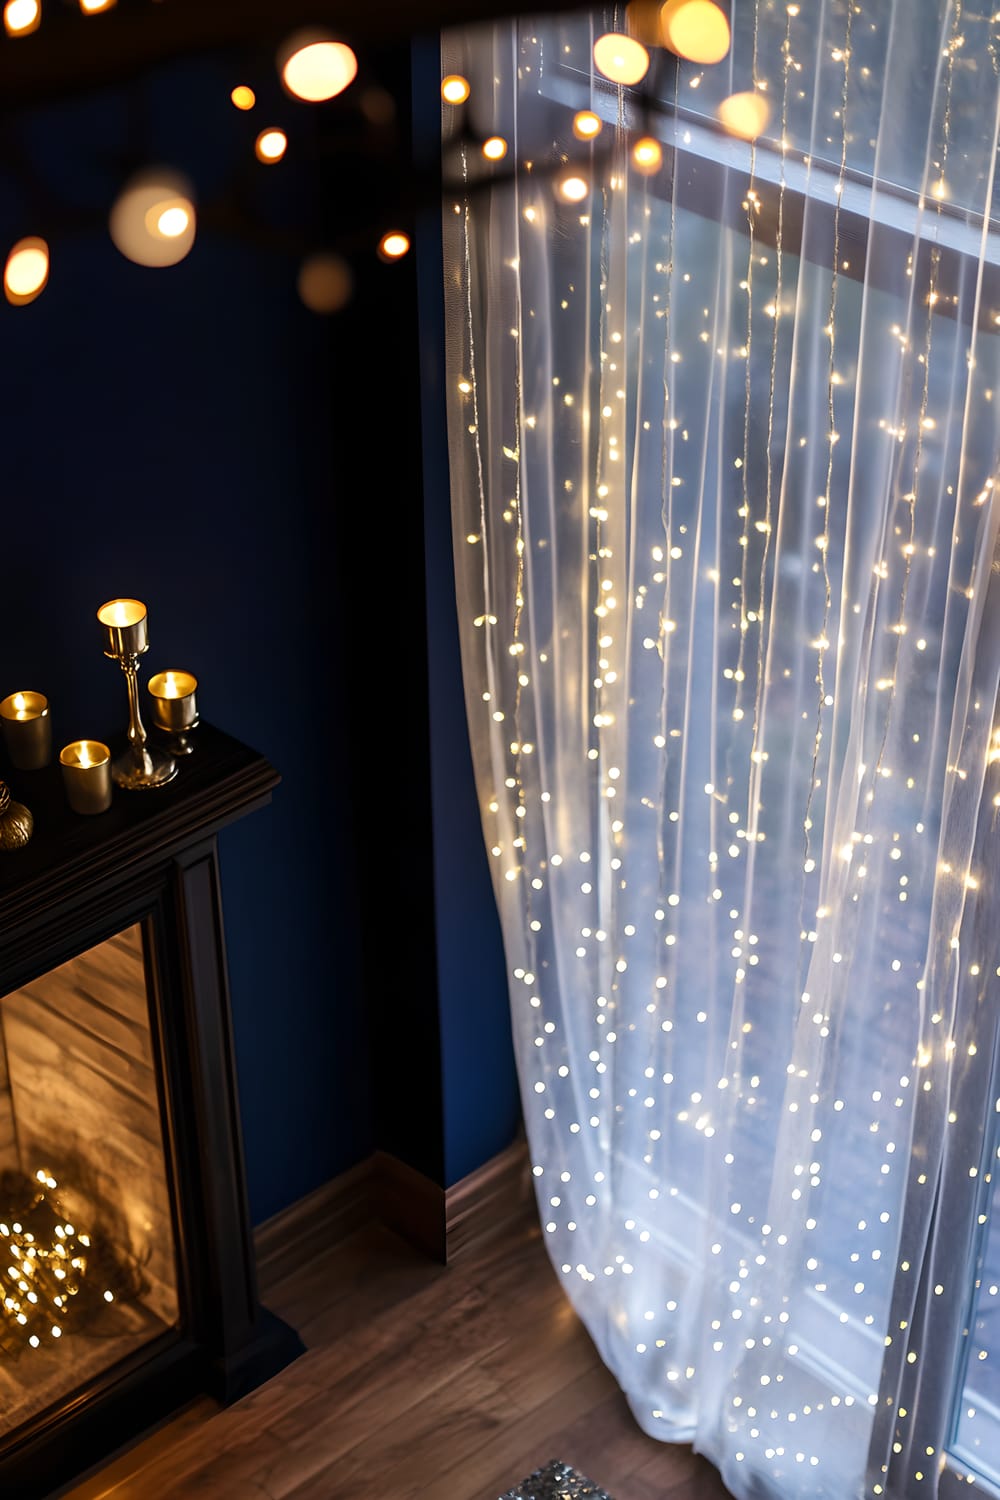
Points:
x=647 y=155
x=744 y=115
x=314 y=66
x=153 y=219
x=572 y=188
x=173 y=221
x=587 y=125
x=394 y=245
x=621 y=58
x=271 y=145
x=243 y=96
x=695 y=29
x=21 y=17
x=94 y=7
x=26 y=273
x=454 y=89
x=494 y=148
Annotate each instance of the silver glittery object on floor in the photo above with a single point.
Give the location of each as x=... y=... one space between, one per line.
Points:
x=557 y=1481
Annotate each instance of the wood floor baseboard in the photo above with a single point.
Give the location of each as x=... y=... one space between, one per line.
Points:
x=489 y=1200
x=442 y=1223
x=410 y=1204
x=304 y=1230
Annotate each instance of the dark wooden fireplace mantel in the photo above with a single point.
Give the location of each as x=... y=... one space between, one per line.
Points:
x=71 y=860
x=150 y=865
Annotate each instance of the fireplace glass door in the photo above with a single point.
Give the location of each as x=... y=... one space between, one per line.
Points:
x=88 y=1264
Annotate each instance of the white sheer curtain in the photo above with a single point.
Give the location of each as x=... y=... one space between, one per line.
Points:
x=723 y=445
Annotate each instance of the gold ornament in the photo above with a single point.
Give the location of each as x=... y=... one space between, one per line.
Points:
x=16 y=822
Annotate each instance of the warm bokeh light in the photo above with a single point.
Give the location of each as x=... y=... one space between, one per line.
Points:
x=171 y=221
x=315 y=67
x=647 y=155
x=394 y=245
x=745 y=115
x=573 y=189
x=621 y=58
x=26 y=271
x=325 y=282
x=153 y=219
x=495 y=148
x=695 y=29
x=642 y=17
x=94 y=7
x=454 y=89
x=243 y=96
x=21 y=16
x=271 y=145
x=586 y=125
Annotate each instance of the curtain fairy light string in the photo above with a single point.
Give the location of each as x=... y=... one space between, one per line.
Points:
x=745 y=884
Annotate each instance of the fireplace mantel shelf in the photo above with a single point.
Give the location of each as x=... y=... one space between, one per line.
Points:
x=70 y=854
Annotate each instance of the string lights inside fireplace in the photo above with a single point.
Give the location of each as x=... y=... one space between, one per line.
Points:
x=55 y=1278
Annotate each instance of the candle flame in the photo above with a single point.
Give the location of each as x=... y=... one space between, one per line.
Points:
x=19 y=701
x=121 y=612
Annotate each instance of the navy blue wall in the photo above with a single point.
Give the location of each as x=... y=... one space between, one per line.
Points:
x=195 y=438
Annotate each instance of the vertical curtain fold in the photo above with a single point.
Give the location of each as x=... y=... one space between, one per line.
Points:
x=723 y=443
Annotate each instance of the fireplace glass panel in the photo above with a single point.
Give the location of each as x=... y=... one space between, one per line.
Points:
x=88 y=1267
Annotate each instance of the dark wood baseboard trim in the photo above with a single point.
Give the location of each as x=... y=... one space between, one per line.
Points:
x=441 y=1223
x=409 y=1203
x=489 y=1199
x=302 y=1231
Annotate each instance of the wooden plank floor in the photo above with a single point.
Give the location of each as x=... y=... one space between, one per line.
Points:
x=418 y=1381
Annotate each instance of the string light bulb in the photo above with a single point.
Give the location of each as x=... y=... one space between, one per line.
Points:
x=20 y=17
x=572 y=188
x=695 y=29
x=325 y=282
x=243 y=96
x=314 y=66
x=455 y=89
x=647 y=155
x=153 y=219
x=271 y=145
x=642 y=17
x=744 y=115
x=393 y=245
x=495 y=148
x=94 y=7
x=27 y=271
x=621 y=58
x=586 y=125
x=50 y=1271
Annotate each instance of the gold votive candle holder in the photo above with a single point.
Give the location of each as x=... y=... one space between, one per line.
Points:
x=175 y=707
x=27 y=730
x=126 y=627
x=86 y=774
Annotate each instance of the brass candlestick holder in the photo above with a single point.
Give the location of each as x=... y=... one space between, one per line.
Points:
x=124 y=626
x=175 y=708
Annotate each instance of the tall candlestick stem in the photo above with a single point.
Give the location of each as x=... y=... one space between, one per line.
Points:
x=136 y=729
